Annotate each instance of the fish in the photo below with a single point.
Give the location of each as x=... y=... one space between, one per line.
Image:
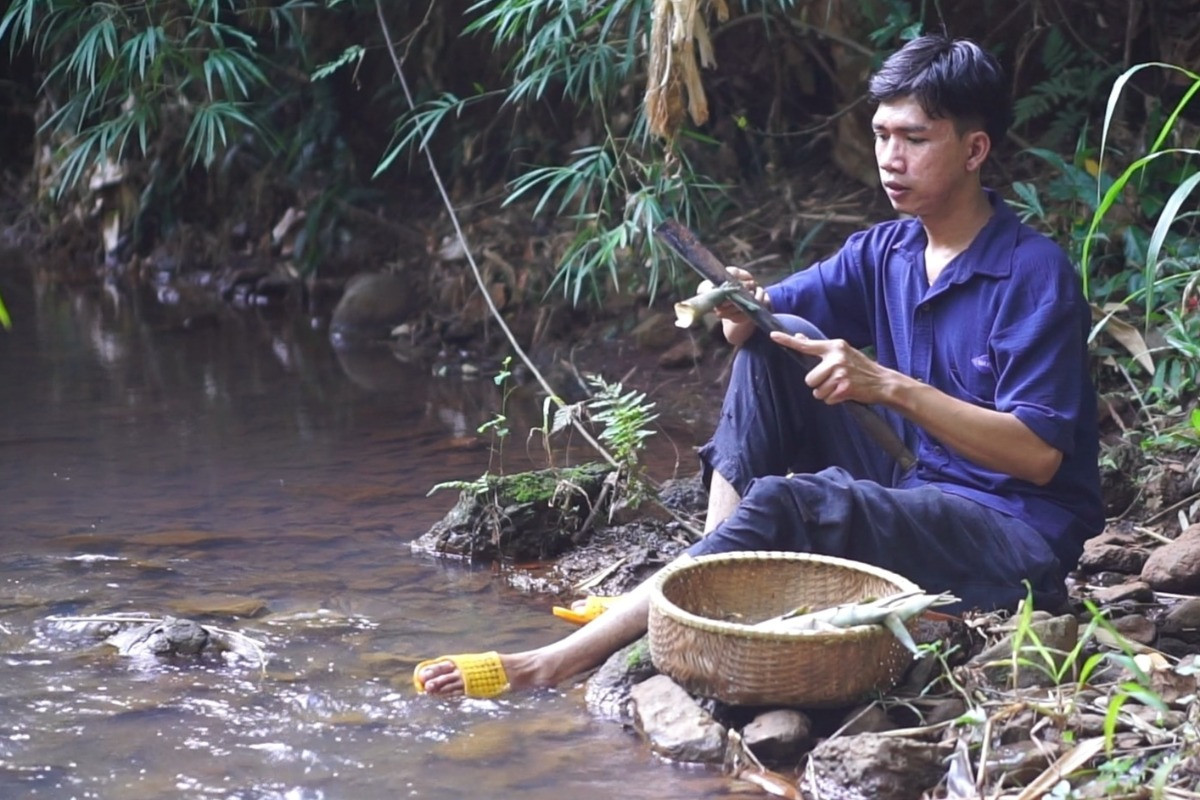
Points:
x=891 y=612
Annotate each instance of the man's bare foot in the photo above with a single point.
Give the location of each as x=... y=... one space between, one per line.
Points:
x=443 y=679
x=522 y=670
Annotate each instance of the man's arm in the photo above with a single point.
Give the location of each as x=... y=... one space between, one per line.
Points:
x=993 y=439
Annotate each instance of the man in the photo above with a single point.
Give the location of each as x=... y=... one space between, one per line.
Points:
x=980 y=364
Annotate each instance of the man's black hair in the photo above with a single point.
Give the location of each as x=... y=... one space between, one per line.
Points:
x=952 y=79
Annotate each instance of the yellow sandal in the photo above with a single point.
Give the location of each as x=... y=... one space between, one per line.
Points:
x=593 y=606
x=482 y=673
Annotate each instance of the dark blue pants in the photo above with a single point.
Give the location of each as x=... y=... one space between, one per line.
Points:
x=812 y=481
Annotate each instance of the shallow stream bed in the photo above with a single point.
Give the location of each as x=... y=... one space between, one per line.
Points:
x=246 y=475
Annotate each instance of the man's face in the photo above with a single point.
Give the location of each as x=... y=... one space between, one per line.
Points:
x=924 y=164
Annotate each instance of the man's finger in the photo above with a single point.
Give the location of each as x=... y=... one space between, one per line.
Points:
x=799 y=342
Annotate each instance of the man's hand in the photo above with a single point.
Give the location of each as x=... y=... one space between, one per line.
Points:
x=843 y=373
x=736 y=326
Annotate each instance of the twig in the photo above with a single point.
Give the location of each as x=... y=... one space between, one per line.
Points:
x=601 y=575
x=1137 y=394
x=1173 y=507
x=1152 y=534
x=1067 y=763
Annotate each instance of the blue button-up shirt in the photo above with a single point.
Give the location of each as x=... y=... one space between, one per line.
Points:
x=1003 y=327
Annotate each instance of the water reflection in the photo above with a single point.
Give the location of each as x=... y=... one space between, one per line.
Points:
x=242 y=472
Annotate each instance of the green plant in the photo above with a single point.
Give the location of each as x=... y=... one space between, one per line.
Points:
x=626 y=418
x=620 y=194
x=614 y=192
x=1144 y=263
x=1063 y=98
x=190 y=103
x=1166 y=288
x=498 y=424
x=1028 y=651
x=123 y=73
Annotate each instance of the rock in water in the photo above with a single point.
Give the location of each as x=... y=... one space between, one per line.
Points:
x=372 y=305
x=169 y=637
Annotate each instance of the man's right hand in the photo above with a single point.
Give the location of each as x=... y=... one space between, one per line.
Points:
x=735 y=324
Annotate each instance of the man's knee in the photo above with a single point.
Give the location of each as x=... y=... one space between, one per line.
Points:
x=778 y=513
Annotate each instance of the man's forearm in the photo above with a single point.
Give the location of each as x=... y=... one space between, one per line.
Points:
x=993 y=439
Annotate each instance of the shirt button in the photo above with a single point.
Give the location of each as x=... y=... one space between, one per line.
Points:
x=923 y=308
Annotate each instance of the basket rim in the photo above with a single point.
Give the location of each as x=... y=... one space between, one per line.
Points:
x=659 y=601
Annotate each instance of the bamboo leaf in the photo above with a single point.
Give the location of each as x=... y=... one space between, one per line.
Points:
x=23 y=10
x=352 y=53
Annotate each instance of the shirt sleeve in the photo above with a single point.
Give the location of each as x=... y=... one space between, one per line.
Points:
x=831 y=294
x=1041 y=355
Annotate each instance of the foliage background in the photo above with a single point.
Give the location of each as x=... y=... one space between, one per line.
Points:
x=177 y=137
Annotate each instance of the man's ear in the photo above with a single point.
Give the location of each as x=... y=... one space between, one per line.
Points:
x=979 y=144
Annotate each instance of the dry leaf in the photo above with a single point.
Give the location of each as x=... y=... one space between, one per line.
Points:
x=1127 y=335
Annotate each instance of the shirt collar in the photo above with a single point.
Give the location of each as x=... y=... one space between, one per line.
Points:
x=990 y=252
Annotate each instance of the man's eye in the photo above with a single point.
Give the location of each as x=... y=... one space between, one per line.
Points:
x=915 y=140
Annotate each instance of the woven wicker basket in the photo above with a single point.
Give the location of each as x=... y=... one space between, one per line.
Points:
x=695 y=640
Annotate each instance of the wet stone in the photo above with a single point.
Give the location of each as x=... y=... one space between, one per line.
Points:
x=1107 y=578
x=1175 y=566
x=527 y=516
x=779 y=736
x=1183 y=620
x=185 y=538
x=874 y=767
x=1131 y=591
x=608 y=690
x=674 y=724
x=1137 y=628
x=169 y=637
x=372 y=305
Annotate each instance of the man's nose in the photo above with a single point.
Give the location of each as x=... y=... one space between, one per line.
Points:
x=890 y=156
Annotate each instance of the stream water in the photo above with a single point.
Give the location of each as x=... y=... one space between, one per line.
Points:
x=245 y=474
